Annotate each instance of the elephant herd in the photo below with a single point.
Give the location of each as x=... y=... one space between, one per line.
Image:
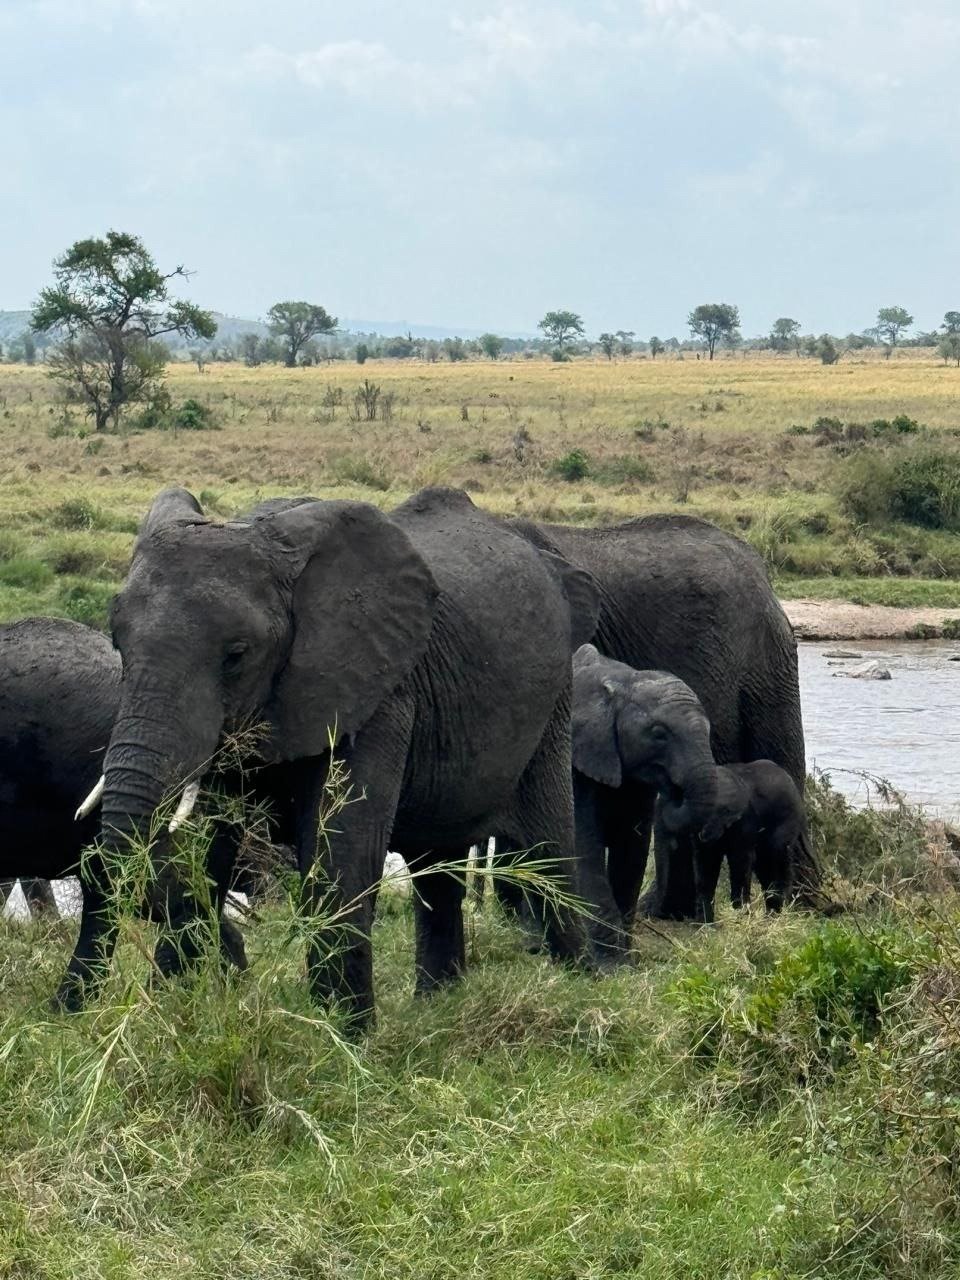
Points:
x=563 y=689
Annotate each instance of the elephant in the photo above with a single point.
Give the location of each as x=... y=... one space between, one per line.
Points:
x=678 y=594
x=632 y=729
x=59 y=693
x=758 y=817
x=427 y=652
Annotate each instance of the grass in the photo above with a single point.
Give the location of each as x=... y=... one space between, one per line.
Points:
x=735 y=441
x=771 y=1097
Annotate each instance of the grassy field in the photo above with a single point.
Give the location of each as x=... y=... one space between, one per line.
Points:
x=772 y=1097
x=589 y=441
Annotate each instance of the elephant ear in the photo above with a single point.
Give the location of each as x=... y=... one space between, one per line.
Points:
x=583 y=597
x=363 y=603
x=593 y=726
x=168 y=507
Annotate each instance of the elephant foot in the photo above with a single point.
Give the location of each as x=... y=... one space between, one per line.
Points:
x=232 y=948
x=429 y=984
x=70 y=997
x=661 y=906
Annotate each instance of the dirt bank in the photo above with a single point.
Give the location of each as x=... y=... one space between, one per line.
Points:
x=841 y=620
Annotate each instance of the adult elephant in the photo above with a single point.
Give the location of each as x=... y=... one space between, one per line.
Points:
x=59 y=693
x=679 y=595
x=429 y=651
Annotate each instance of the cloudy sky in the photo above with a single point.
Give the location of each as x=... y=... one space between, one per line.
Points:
x=476 y=164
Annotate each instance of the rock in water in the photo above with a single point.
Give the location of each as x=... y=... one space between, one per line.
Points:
x=871 y=670
x=842 y=653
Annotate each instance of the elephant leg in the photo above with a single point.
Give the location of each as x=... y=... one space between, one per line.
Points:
x=542 y=819
x=94 y=948
x=774 y=864
x=438 y=908
x=340 y=878
x=39 y=895
x=740 y=870
x=185 y=936
x=672 y=895
x=609 y=941
x=628 y=846
x=707 y=861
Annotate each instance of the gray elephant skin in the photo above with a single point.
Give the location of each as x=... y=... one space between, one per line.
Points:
x=59 y=693
x=758 y=818
x=631 y=729
x=679 y=595
x=432 y=647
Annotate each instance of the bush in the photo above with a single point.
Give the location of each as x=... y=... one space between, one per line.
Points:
x=25 y=572
x=573 y=466
x=86 y=601
x=360 y=471
x=191 y=416
x=623 y=470
x=921 y=489
x=77 y=513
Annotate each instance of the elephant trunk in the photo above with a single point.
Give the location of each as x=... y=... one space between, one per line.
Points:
x=155 y=747
x=700 y=789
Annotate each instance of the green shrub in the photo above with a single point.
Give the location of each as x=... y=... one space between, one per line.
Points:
x=950 y=629
x=191 y=415
x=573 y=466
x=72 y=553
x=919 y=488
x=78 y=513
x=25 y=572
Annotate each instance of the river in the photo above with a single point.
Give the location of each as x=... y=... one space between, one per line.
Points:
x=906 y=729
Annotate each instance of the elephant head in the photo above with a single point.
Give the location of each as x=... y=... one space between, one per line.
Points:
x=303 y=620
x=644 y=727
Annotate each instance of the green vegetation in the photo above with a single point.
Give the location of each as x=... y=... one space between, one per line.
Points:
x=772 y=1097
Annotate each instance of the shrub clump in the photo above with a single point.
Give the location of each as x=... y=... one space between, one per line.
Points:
x=921 y=489
x=573 y=466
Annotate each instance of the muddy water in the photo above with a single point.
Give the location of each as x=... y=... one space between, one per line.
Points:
x=906 y=729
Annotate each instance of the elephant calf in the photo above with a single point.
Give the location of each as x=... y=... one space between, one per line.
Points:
x=758 y=817
x=646 y=730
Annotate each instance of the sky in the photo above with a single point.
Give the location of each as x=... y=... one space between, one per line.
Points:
x=476 y=164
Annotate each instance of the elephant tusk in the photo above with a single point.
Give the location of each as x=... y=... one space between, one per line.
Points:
x=185 y=807
x=92 y=800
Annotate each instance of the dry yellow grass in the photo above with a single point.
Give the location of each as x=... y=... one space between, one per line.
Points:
x=712 y=439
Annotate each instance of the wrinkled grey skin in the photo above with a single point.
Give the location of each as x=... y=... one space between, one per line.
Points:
x=59 y=692
x=758 y=817
x=432 y=646
x=632 y=729
x=679 y=595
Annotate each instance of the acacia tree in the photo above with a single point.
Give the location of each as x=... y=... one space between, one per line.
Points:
x=608 y=344
x=891 y=322
x=712 y=321
x=785 y=335
x=625 y=338
x=111 y=302
x=951 y=323
x=656 y=347
x=295 y=324
x=561 y=326
x=491 y=344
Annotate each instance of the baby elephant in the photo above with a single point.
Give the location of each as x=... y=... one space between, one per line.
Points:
x=639 y=734
x=759 y=817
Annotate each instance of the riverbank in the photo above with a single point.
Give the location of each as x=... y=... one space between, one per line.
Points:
x=841 y=620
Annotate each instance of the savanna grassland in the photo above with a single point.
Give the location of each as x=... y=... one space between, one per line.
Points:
x=801 y=459
x=773 y=1098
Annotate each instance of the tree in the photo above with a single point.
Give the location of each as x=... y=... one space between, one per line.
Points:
x=454 y=350
x=891 y=322
x=828 y=351
x=608 y=344
x=785 y=335
x=561 y=326
x=362 y=353
x=712 y=321
x=491 y=344
x=110 y=302
x=295 y=323
x=949 y=347
x=951 y=322
x=250 y=345
x=625 y=338
x=656 y=347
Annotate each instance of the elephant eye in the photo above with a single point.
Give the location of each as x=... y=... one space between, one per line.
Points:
x=658 y=731
x=233 y=658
